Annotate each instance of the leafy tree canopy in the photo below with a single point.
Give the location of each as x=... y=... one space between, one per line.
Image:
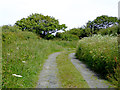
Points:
x=40 y=24
x=102 y=22
x=80 y=32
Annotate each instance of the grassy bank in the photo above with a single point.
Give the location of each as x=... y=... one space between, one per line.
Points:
x=100 y=53
x=68 y=74
x=24 y=54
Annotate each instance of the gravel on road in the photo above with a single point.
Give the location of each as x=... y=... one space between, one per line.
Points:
x=48 y=76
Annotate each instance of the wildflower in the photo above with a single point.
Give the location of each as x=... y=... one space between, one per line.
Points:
x=90 y=51
x=16 y=75
x=17 y=48
x=23 y=61
x=47 y=67
x=8 y=54
x=102 y=56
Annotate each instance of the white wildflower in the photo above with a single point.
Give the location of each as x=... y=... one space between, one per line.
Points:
x=102 y=56
x=47 y=67
x=90 y=51
x=17 y=48
x=23 y=61
x=8 y=54
x=16 y=75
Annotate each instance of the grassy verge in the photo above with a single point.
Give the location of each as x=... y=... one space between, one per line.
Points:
x=24 y=54
x=25 y=59
x=100 y=53
x=68 y=74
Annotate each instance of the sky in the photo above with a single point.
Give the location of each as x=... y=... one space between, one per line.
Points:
x=73 y=13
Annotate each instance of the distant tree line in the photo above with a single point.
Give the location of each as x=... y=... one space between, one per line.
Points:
x=45 y=25
x=103 y=25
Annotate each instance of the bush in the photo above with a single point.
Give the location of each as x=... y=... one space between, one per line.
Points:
x=67 y=37
x=100 y=54
x=75 y=31
x=109 y=31
x=11 y=34
x=80 y=32
x=9 y=28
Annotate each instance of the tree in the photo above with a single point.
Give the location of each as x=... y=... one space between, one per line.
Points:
x=75 y=31
x=40 y=24
x=80 y=32
x=101 y=22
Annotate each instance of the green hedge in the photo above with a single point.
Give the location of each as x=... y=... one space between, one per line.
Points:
x=100 y=53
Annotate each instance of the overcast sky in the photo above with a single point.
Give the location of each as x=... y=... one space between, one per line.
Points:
x=73 y=13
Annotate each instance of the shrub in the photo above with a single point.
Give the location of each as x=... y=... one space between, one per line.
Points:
x=80 y=32
x=67 y=37
x=100 y=54
x=11 y=34
x=9 y=28
x=109 y=31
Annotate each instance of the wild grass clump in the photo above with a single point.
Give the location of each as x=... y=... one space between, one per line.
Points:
x=100 y=53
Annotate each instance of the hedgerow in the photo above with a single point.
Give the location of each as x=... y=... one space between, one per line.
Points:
x=100 y=53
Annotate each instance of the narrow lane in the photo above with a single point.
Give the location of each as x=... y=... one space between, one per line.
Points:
x=48 y=76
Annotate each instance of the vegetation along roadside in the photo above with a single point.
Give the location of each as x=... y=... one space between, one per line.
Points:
x=100 y=53
x=27 y=44
x=23 y=55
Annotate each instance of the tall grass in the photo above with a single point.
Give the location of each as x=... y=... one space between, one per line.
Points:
x=24 y=54
x=68 y=74
x=100 y=53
